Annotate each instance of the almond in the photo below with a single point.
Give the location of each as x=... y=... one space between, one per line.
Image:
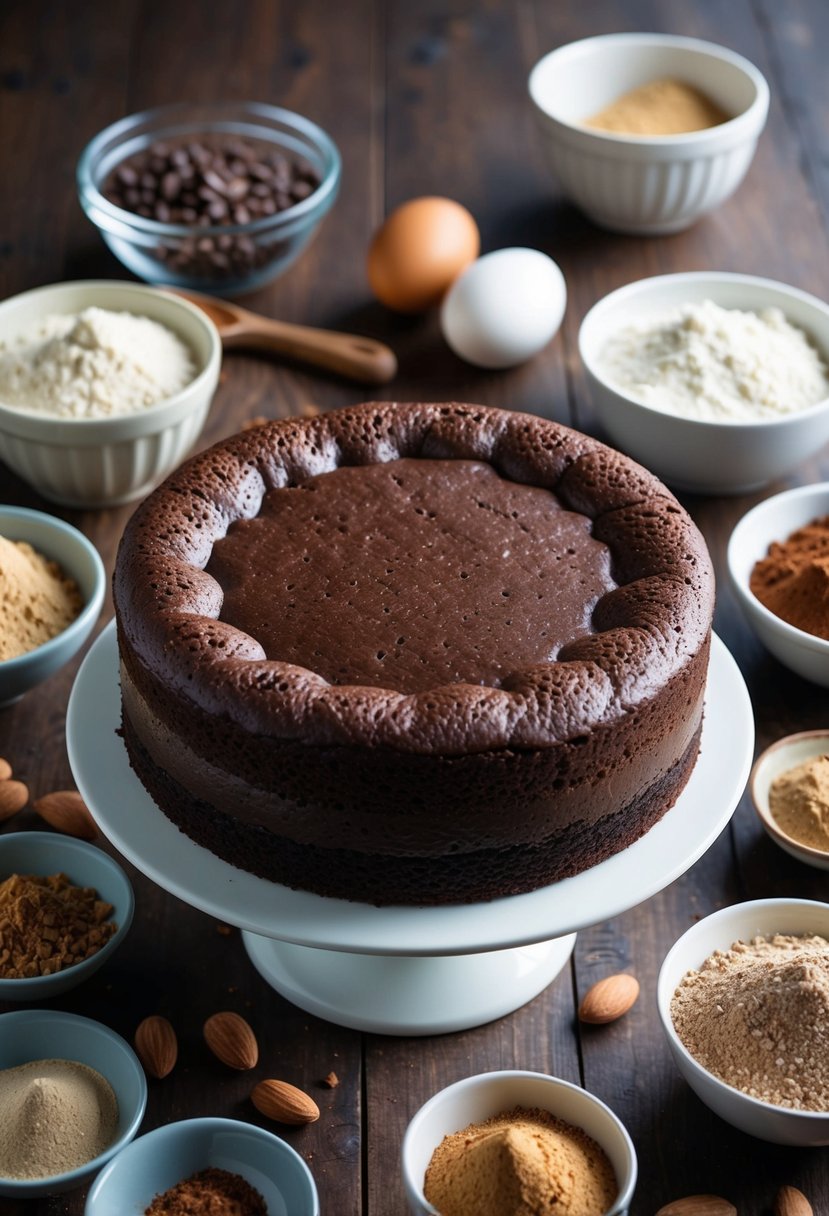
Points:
x=609 y=998
x=5 y=769
x=231 y=1039
x=66 y=811
x=284 y=1103
x=13 y=797
x=331 y=1081
x=789 y=1201
x=157 y=1046
x=698 y=1205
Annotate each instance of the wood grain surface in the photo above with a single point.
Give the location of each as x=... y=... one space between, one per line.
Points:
x=426 y=97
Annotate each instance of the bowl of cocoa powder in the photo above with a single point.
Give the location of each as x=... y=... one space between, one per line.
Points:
x=778 y=564
x=743 y=997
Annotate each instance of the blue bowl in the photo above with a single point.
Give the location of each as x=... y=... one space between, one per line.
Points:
x=157 y=1161
x=86 y=866
x=79 y=559
x=47 y=1034
x=153 y=250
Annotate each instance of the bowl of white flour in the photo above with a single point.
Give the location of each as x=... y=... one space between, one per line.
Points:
x=104 y=388
x=716 y=382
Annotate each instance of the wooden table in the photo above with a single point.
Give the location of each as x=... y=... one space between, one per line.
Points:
x=421 y=98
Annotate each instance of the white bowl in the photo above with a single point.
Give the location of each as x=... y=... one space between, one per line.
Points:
x=741 y=922
x=706 y=457
x=79 y=559
x=95 y=462
x=775 y=520
x=480 y=1097
x=785 y=754
x=646 y=184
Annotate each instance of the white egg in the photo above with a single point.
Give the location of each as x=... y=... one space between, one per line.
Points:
x=504 y=308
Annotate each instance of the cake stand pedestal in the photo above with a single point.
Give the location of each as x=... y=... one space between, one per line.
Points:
x=404 y=970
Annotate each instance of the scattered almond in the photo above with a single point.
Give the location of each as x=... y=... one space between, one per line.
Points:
x=66 y=811
x=284 y=1103
x=698 y=1205
x=13 y=797
x=609 y=998
x=331 y=1081
x=789 y=1201
x=157 y=1046
x=231 y=1040
x=5 y=769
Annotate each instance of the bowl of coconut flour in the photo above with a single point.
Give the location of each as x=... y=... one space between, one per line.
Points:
x=716 y=382
x=104 y=388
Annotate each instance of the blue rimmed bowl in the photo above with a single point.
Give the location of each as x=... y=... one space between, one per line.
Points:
x=86 y=866
x=78 y=558
x=48 y=1034
x=156 y=1162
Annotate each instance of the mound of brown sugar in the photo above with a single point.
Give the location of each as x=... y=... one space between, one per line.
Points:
x=661 y=107
x=793 y=579
x=520 y=1163
x=37 y=600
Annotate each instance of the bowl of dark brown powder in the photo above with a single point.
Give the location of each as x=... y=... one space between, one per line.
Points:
x=743 y=997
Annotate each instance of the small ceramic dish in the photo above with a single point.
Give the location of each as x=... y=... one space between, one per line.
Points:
x=48 y=1034
x=785 y=754
x=154 y=1163
x=646 y=184
x=96 y=462
x=46 y=853
x=776 y=519
x=256 y=251
x=706 y=457
x=480 y=1097
x=719 y=931
x=78 y=558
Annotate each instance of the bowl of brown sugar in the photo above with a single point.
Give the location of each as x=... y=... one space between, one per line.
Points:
x=743 y=997
x=778 y=564
x=65 y=907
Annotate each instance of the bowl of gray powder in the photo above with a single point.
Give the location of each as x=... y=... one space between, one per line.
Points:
x=104 y=388
x=72 y=1093
x=743 y=997
x=716 y=382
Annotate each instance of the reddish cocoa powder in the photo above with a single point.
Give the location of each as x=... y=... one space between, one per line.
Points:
x=793 y=579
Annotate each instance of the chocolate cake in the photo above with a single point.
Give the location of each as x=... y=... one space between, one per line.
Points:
x=413 y=653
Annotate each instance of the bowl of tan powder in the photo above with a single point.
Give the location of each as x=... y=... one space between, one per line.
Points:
x=790 y=790
x=104 y=388
x=778 y=566
x=517 y=1143
x=52 y=585
x=743 y=997
x=72 y=1093
x=648 y=132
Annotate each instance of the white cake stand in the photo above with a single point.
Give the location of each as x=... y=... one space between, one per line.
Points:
x=404 y=970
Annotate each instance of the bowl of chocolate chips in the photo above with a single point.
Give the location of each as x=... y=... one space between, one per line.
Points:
x=219 y=197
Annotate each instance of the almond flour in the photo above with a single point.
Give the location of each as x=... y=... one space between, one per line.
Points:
x=37 y=600
x=757 y=1017
x=717 y=364
x=92 y=364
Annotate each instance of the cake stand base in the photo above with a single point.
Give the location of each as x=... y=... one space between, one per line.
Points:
x=407 y=995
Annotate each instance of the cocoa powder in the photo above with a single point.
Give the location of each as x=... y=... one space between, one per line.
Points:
x=793 y=579
x=210 y=1192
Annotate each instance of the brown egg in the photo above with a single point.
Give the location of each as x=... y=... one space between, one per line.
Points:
x=419 y=251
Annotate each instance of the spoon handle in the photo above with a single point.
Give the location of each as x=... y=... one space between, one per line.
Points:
x=359 y=358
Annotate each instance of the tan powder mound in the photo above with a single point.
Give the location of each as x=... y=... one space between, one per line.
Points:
x=37 y=601
x=663 y=107
x=799 y=803
x=520 y=1163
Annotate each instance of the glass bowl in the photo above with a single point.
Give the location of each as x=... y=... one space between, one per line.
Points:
x=222 y=258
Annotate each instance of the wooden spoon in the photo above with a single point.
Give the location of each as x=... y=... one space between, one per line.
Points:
x=358 y=358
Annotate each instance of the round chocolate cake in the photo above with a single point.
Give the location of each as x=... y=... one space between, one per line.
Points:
x=413 y=653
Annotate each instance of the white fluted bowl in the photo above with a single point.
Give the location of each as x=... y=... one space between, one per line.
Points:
x=646 y=184
x=97 y=462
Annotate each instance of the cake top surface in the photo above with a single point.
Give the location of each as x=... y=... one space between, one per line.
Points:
x=632 y=601
x=411 y=574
